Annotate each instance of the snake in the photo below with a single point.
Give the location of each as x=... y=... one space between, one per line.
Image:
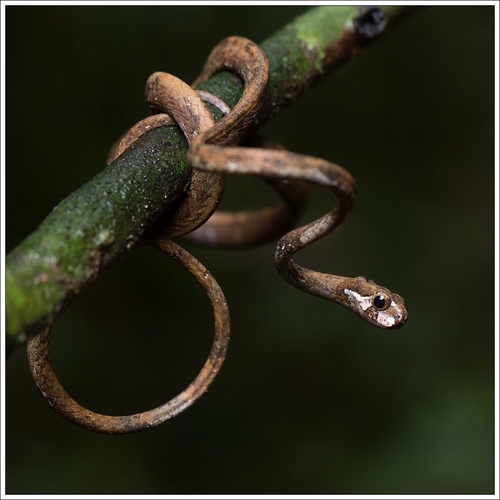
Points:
x=217 y=149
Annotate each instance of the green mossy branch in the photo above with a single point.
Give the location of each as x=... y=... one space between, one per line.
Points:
x=101 y=221
x=92 y=228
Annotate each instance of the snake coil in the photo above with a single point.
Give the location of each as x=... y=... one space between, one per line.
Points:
x=214 y=152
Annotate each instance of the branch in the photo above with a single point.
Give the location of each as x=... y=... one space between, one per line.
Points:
x=97 y=224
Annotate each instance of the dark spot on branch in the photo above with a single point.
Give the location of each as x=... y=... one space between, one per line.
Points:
x=370 y=23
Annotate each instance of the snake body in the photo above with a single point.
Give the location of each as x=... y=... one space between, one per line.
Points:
x=214 y=152
x=57 y=397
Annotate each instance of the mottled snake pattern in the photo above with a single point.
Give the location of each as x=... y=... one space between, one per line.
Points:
x=215 y=150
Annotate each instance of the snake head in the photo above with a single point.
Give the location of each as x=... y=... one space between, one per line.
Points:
x=375 y=304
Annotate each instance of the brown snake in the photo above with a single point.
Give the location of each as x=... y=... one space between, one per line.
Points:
x=214 y=152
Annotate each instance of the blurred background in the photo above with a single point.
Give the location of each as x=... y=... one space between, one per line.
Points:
x=310 y=399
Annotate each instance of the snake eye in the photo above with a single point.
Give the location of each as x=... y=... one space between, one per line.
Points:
x=381 y=301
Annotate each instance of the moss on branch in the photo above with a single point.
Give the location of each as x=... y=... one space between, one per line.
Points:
x=91 y=229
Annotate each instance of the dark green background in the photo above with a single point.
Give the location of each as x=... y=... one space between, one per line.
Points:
x=311 y=399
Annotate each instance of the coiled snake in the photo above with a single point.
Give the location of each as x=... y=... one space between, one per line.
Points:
x=214 y=152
